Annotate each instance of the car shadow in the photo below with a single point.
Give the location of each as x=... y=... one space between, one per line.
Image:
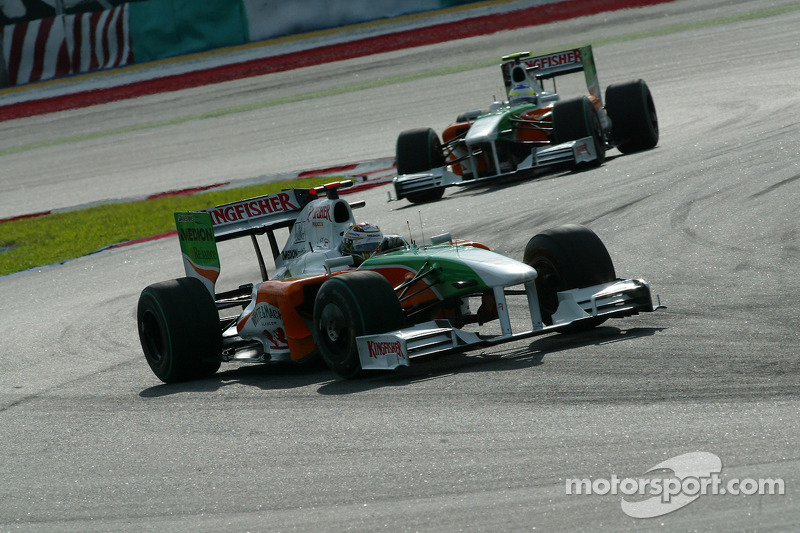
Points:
x=506 y=182
x=266 y=376
x=284 y=376
x=510 y=359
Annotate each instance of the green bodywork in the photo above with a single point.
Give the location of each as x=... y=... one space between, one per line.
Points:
x=505 y=127
x=459 y=270
x=196 y=237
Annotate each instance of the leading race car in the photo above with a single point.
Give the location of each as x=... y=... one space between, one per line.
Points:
x=363 y=300
x=534 y=130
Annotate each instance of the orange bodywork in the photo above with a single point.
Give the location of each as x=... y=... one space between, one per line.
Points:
x=415 y=296
x=453 y=131
x=540 y=125
x=294 y=298
x=531 y=134
x=289 y=296
x=475 y=244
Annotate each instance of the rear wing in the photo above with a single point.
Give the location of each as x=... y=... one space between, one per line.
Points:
x=200 y=231
x=549 y=66
x=257 y=215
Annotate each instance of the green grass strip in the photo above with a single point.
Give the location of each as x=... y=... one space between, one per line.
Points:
x=49 y=239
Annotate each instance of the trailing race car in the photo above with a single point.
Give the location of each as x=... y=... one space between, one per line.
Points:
x=360 y=299
x=533 y=130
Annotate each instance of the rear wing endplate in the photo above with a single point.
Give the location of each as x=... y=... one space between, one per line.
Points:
x=198 y=247
x=556 y=64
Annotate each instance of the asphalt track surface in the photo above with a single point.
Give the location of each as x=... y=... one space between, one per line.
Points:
x=91 y=441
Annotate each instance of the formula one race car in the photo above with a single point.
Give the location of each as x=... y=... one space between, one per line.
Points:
x=360 y=299
x=533 y=131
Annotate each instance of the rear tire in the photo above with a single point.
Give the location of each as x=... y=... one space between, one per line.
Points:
x=348 y=306
x=420 y=150
x=634 y=123
x=179 y=330
x=575 y=119
x=567 y=257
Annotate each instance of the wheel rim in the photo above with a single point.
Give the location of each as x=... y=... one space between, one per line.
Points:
x=334 y=328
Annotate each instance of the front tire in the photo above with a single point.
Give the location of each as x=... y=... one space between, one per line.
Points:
x=420 y=150
x=634 y=123
x=179 y=330
x=575 y=119
x=567 y=257
x=348 y=306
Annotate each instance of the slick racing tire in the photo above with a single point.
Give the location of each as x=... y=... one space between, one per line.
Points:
x=350 y=305
x=179 y=330
x=420 y=150
x=634 y=123
x=575 y=119
x=567 y=257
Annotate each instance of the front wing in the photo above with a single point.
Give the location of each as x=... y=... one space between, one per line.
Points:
x=387 y=351
x=571 y=152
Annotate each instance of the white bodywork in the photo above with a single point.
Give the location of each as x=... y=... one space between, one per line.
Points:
x=388 y=351
x=578 y=151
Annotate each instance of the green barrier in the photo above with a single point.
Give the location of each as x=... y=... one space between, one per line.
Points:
x=167 y=28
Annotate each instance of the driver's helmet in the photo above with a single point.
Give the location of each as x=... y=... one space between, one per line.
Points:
x=360 y=240
x=521 y=93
